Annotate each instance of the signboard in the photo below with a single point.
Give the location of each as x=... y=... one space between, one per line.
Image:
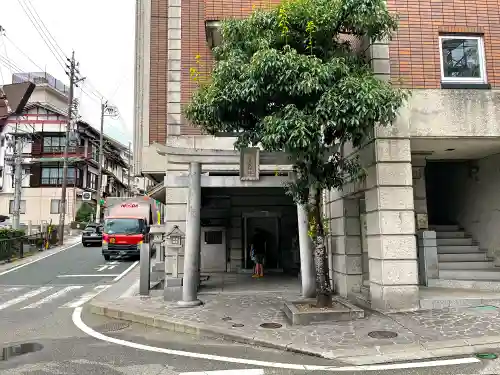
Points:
x=129 y=205
x=249 y=164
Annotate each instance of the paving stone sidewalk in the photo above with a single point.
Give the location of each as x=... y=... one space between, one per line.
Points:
x=238 y=316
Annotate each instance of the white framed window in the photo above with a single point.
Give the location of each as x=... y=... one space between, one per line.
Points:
x=55 y=206
x=462 y=59
x=22 y=207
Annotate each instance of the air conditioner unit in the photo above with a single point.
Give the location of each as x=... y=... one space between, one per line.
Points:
x=86 y=196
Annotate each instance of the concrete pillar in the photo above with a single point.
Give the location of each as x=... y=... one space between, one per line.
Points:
x=307 y=271
x=391 y=223
x=419 y=191
x=193 y=235
x=347 y=254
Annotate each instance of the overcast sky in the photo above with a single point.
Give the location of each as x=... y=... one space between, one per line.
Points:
x=102 y=34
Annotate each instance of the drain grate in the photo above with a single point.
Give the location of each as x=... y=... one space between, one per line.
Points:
x=271 y=325
x=383 y=334
x=17 y=350
x=112 y=327
x=226 y=318
x=237 y=325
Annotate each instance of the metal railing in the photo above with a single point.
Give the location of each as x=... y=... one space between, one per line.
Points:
x=18 y=247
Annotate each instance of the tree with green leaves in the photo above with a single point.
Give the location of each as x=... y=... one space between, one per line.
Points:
x=286 y=79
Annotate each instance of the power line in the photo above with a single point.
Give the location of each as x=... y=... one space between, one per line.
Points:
x=60 y=52
x=42 y=34
x=23 y=53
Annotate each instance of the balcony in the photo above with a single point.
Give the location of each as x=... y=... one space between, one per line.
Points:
x=78 y=150
x=54 y=181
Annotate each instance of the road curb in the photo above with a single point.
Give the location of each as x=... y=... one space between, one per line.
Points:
x=37 y=255
x=376 y=355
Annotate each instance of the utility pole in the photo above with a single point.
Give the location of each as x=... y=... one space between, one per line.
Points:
x=18 y=178
x=106 y=110
x=73 y=80
x=129 y=167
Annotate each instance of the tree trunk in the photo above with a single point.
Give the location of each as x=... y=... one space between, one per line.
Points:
x=324 y=292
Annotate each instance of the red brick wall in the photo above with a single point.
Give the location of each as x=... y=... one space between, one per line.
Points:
x=158 y=72
x=194 y=14
x=414 y=53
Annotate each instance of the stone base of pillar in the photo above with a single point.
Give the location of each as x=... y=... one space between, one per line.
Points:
x=173 y=289
x=394 y=298
x=189 y=303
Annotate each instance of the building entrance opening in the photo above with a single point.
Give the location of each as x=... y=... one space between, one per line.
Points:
x=268 y=228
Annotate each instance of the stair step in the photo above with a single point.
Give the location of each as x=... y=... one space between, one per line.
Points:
x=454 y=241
x=463 y=257
x=457 y=234
x=488 y=285
x=469 y=274
x=444 y=228
x=478 y=265
x=453 y=249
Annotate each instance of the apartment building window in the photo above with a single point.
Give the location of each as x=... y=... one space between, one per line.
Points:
x=53 y=144
x=54 y=176
x=462 y=59
x=92 y=180
x=22 y=207
x=26 y=173
x=55 y=206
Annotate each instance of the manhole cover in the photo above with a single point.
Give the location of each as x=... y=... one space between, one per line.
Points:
x=226 y=318
x=17 y=350
x=486 y=356
x=382 y=334
x=271 y=325
x=112 y=327
x=237 y=325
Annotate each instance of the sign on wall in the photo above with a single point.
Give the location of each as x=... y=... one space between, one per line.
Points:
x=249 y=164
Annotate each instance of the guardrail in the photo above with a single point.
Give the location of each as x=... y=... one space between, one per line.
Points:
x=18 y=247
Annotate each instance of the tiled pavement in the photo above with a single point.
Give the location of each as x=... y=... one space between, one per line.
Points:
x=419 y=334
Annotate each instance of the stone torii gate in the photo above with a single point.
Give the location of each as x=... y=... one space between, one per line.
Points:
x=249 y=162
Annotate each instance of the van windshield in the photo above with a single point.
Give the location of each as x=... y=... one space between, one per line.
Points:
x=122 y=226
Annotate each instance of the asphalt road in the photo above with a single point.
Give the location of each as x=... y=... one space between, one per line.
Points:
x=36 y=308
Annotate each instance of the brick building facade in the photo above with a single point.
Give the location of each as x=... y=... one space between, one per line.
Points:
x=433 y=173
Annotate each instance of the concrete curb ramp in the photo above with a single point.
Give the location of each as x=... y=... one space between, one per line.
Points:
x=353 y=356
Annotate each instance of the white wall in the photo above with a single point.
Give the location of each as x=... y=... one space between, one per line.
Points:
x=38 y=201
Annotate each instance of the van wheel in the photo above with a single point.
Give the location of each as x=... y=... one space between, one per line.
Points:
x=106 y=257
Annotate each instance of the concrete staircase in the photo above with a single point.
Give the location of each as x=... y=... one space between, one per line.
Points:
x=461 y=263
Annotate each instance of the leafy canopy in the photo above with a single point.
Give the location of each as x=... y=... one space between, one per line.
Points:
x=286 y=79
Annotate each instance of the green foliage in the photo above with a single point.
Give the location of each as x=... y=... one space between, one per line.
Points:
x=285 y=79
x=85 y=213
x=11 y=233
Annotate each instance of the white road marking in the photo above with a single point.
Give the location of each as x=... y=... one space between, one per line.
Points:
x=52 y=297
x=85 y=297
x=227 y=372
x=37 y=260
x=77 y=320
x=14 y=289
x=120 y=276
x=24 y=297
x=100 y=275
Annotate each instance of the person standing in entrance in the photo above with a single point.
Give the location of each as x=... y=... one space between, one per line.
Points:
x=258 y=249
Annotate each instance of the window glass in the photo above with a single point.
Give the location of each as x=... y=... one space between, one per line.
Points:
x=462 y=58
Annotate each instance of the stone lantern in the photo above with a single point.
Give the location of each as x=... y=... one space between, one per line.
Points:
x=175 y=245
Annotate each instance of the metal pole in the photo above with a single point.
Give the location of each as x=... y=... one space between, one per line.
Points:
x=62 y=209
x=144 y=269
x=129 y=167
x=101 y=159
x=18 y=178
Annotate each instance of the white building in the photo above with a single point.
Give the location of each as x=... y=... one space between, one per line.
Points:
x=43 y=127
